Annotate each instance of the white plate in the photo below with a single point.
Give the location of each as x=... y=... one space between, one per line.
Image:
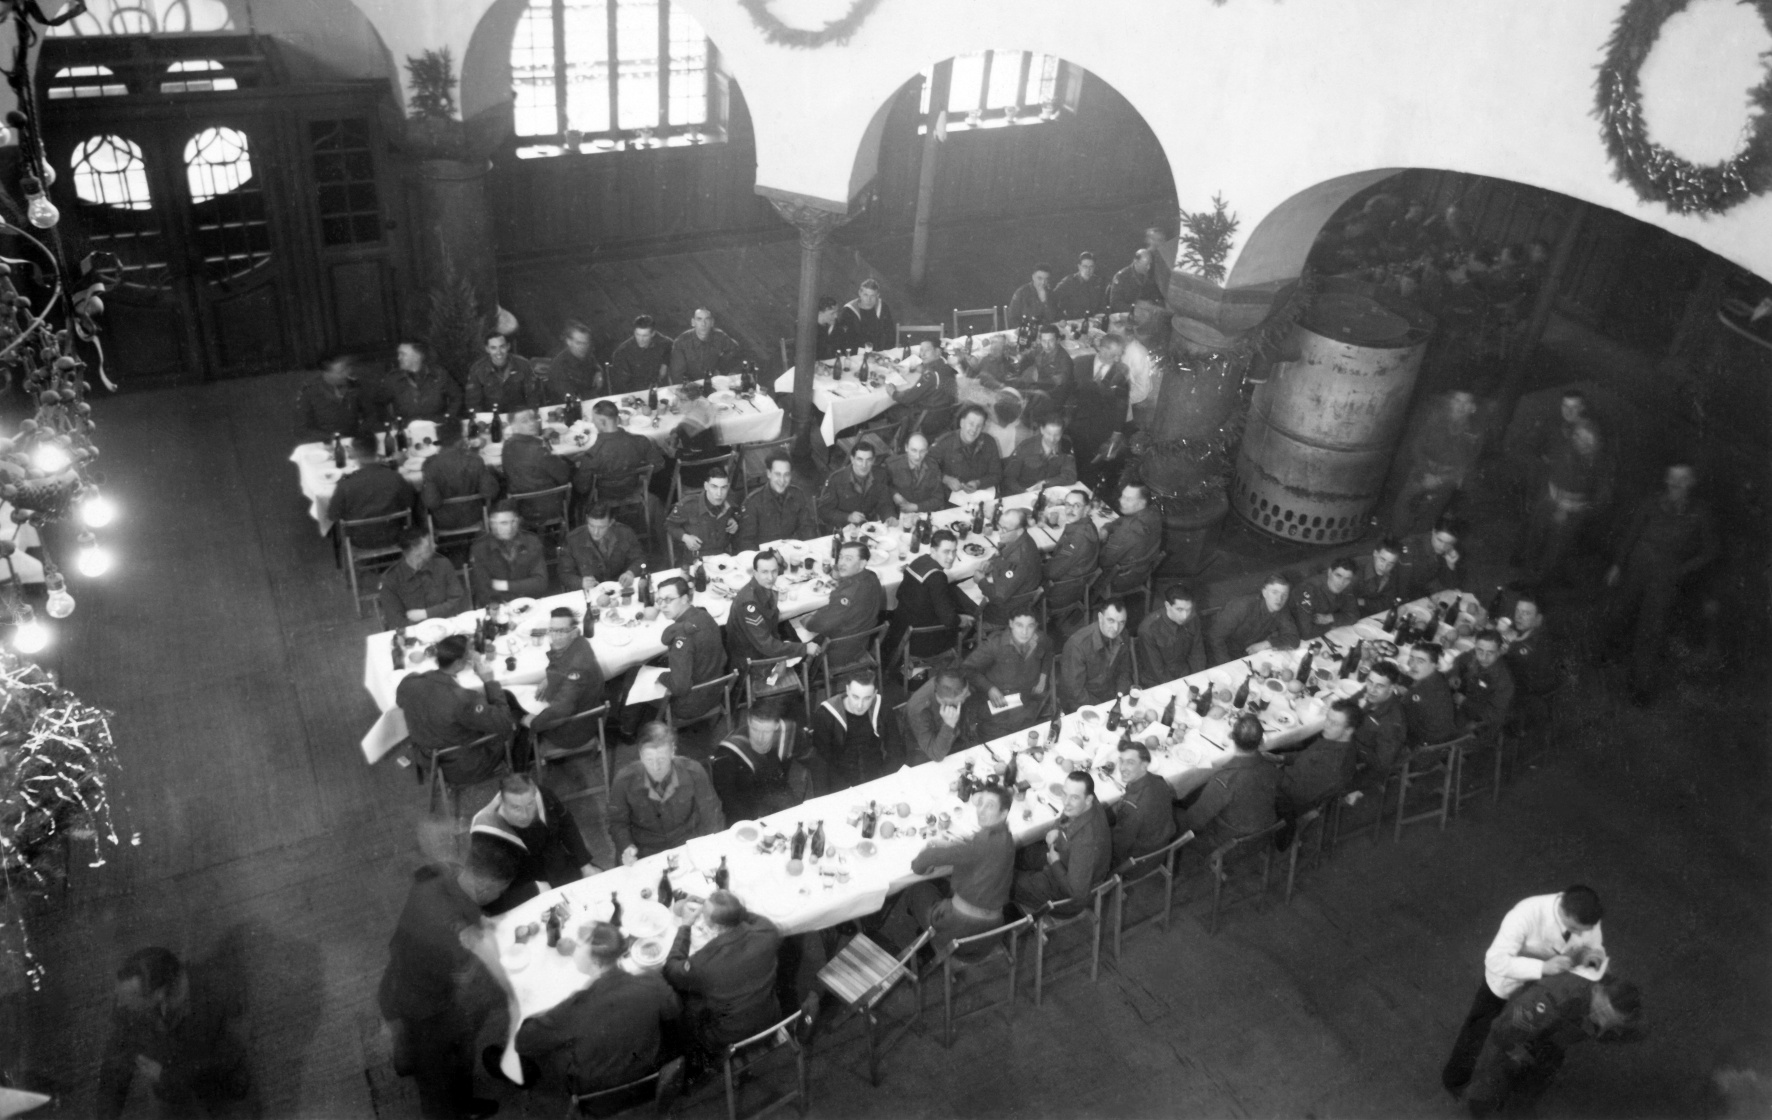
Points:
x=645 y=919
x=430 y=631
x=520 y=606
x=648 y=952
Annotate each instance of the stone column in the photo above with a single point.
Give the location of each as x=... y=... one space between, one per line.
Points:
x=815 y=223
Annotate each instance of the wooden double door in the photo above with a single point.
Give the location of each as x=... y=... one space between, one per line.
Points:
x=257 y=229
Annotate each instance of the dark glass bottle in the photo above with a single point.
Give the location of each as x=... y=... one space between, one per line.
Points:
x=1494 y=608
x=1450 y=615
x=870 y=820
x=401 y=444
x=797 y=845
x=1203 y=704
x=498 y=427
x=916 y=536
x=1057 y=728
x=399 y=648
x=643 y=585
x=338 y=451
x=925 y=529
x=665 y=894
x=996 y=515
x=701 y=575
x=1168 y=719
x=1242 y=696
x=1012 y=773
x=652 y=398
x=816 y=844
x=1389 y=625
x=722 y=877
x=470 y=426
x=615 y=910
x=977 y=518
x=553 y=923
x=1113 y=719
x=1350 y=664
x=590 y=619
x=1304 y=666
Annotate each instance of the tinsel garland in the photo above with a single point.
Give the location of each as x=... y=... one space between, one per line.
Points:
x=1654 y=172
x=837 y=31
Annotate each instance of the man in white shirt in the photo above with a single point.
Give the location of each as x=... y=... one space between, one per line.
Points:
x=1541 y=936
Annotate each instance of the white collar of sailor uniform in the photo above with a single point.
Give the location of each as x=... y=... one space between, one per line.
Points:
x=835 y=706
x=487 y=822
x=921 y=572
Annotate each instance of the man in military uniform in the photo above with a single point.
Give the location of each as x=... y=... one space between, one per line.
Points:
x=1382 y=729
x=977 y=885
x=374 y=489
x=1144 y=820
x=1043 y=374
x=537 y=836
x=1526 y=1043
x=1326 y=600
x=1441 y=456
x=706 y=522
x=935 y=393
x=1013 y=661
x=1429 y=561
x=779 y=511
x=1077 y=855
x=331 y=404
x=1428 y=709
x=456 y=471
x=660 y=800
x=1133 y=283
x=640 y=361
x=501 y=381
x=753 y=627
x=916 y=482
x=1377 y=583
x=1013 y=572
x=602 y=550
x=1170 y=644
x=1671 y=538
x=1041 y=460
x=1532 y=660
x=866 y=320
x=854 y=608
x=928 y=598
x=1238 y=799
x=944 y=714
x=616 y=453
x=1096 y=664
x=508 y=563
x=441 y=713
x=848 y=736
x=574 y=684
x=422 y=585
x=854 y=494
x=693 y=648
x=967 y=457
x=1129 y=544
x=1032 y=302
x=1076 y=557
x=417 y=389
x=571 y=369
x=530 y=465
x=1325 y=764
x=701 y=351
x=1083 y=292
x=751 y=766
x=1482 y=686
x=1253 y=623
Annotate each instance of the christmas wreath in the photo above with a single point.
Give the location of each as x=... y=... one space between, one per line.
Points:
x=1654 y=172
x=837 y=31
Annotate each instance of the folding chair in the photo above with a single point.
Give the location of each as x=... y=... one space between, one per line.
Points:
x=722 y=685
x=910 y=664
x=1162 y=862
x=1058 y=916
x=361 y=560
x=972 y=952
x=668 y=1083
x=976 y=320
x=1420 y=768
x=545 y=511
x=910 y=335
x=1317 y=817
x=753 y=462
x=1222 y=865
x=598 y=744
x=862 y=976
x=842 y=656
x=448 y=538
x=440 y=786
x=1337 y=822
x=727 y=460
x=742 y=1056
x=1078 y=607
x=1138 y=579
x=631 y=489
x=884 y=433
x=761 y=670
x=1483 y=738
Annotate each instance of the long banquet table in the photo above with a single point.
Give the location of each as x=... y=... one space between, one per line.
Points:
x=739 y=419
x=852 y=880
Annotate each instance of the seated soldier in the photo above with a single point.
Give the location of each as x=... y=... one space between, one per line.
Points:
x=854 y=608
x=1252 y=623
x=535 y=832
x=855 y=494
x=1016 y=661
x=1144 y=820
x=967 y=457
x=1382 y=729
x=1170 y=645
x=659 y=800
x=970 y=900
x=706 y=522
x=1041 y=460
x=374 y=489
x=1014 y=572
x=926 y=598
x=1238 y=800
x=727 y=985
x=1075 y=857
x=751 y=767
x=610 y=464
x=848 y=736
x=916 y=480
x=574 y=684
x=508 y=562
x=530 y=465
x=943 y=715
x=1324 y=766
x=1482 y=686
x=1326 y=600
x=456 y=471
x=602 y=550
x=1075 y=561
x=422 y=585
x=1096 y=665
x=1429 y=561
x=1428 y=709
x=441 y=713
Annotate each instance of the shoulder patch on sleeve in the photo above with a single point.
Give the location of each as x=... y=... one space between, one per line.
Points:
x=679 y=643
x=574 y=676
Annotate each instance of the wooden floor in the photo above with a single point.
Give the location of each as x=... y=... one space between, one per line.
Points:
x=226 y=645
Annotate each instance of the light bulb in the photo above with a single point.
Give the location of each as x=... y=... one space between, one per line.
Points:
x=61 y=604
x=92 y=561
x=97 y=511
x=50 y=458
x=31 y=635
x=48 y=176
x=42 y=212
x=8 y=136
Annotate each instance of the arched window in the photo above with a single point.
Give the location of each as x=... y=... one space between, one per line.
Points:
x=197 y=75
x=217 y=161
x=147 y=17
x=109 y=170
x=994 y=88
x=592 y=75
x=85 y=81
x=228 y=204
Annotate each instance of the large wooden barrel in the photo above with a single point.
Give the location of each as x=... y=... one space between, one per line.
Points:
x=1323 y=429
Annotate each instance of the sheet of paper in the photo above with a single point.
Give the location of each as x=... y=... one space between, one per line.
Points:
x=1010 y=700
x=646 y=684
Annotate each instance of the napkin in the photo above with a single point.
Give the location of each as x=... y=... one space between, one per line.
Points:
x=647 y=685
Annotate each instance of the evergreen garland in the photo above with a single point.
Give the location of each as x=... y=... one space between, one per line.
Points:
x=837 y=31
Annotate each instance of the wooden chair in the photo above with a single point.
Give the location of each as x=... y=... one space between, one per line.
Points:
x=668 y=1081
x=1143 y=586
x=1057 y=916
x=885 y=433
x=1315 y=818
x=1029 y=601
x=598 y=745
x=841 y=656
x=1161 y=862
x=448 y=538
x=911 y=335
x=976 y=320
x=1079 y=607
x=793 y=679
x=635 y=491
x=439 y=786
x=727 y=460
x=967 y=953
x=741 y=1057
x=862 y=976
x=1222 y=864
x=1483 y=738
x=546 y=512
x=362 y=560
x=753 y=462
x=910 y=664
x=722 y=685
x=1338 y=828
x=1420 y=769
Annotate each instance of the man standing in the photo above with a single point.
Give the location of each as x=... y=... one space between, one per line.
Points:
x=1170 y=645
x=1238 y=800
x=780 y=511
x=1014 y=572
x=1252 y=623
x=530 y=465
x=1133 y=283
x=502 y=381
x=981 y=871
x=1144 y=820
x=727 y=985
x=1076 y=557
x=1526 y=1043
x=916 y=482
x=572 y=372
x=185 y=1032
x=847 y=736
x=640 y=361
x=753 y=626
x=417 y=389
x=693 y=648
x=1671 y=538
x=1325 y=764
x=1016 y=661
x=926 y=598
x=1541 y=936
x=944 y=713
x=441 y=713
x=1032 y=302
x=509 y=562
x=1441 y=457
x=936 y=391
x=751 y=767
x=611 y=463
x=1482 y=686
x=1096 y=665
x=966 y=457
x=574 y=684
x=456 y=471
x=701 y=351
x=867 y=321
x=659 y=800
x=1326 y=600
x=538 y=836
x=855 y=495
x=331 y=405
x=1131 y=543
x=1077 y=855
x=1041 y=460
x=706 y=522
x=1082 y=292
x=374 y=489
x=1428 y=709
x=422 y=585
x=1101 y=390
x=602 y=550
x=1382 y=728
x=1532 y=661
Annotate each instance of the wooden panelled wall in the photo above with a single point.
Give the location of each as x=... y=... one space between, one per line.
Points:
x=558 y=210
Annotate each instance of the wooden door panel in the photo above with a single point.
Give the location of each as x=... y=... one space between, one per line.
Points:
x=360 y=304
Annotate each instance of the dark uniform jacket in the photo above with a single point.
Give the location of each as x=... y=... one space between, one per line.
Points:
x=615 y=453
x=512 y=388
x=983 y=866
x=1168 y=651
x=1101 y=404
x=633 y=370
x=937 y=389
x=1323 y=767
x=1532 y=660
x=1663 y=539
x=1028 y=303
x=1538 y=1023
x=930 y=734
x=697 y=655
x=921 y=487
x=1093 y=670
x=430 y=394
x=1378 y=740
x=1488 y=693
x=1144 y=820
x=849 y=763
x=1078 y=554
x=728 y=984
x=877 y=328
x=1244 y=621
x=322 y=412
x=1014 y=572
x=520 y=562
x=1237 y=801
x=1373 y=592
x=752 y=784
x=693 y=358
x=574 y=684
x=567 y=374
x=855 y=606
x=548 y=848
x=1077 y=297
x=694 y=516
x=843 y=494
x=456 y=472
x=999 y=663
x=927 y=598
x=605 y=1036
x=768 y=516
x=1429 y=712
x=1130 y=544
x=1031 y=464
x=1045 y=371
x=203 y=1056
x=433 y=589
x=441 y=713
x=1129 y=286
x=1424 y=572
x=656 y=819
x=584 y=558
x=530 y=466
x=753 y=626
x=1085 y=857
x=977 y=461
x=372 y=490
x=1313 y=597
x=428 y=967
